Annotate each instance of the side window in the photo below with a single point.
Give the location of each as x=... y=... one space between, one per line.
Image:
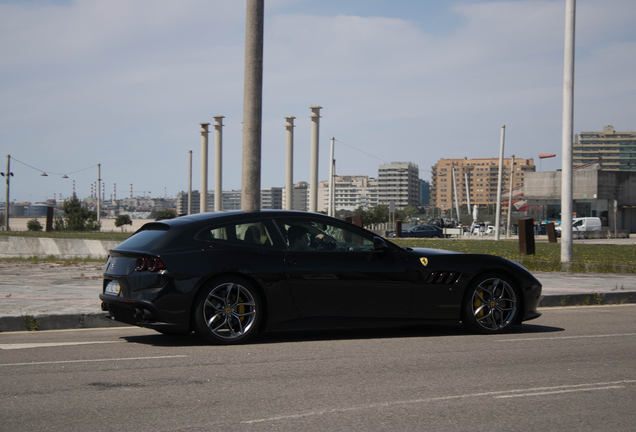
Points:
x=246 y=234
x=315 y=235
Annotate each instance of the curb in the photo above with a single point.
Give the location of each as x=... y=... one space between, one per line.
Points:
x=57 y=322
x=98 y=319
x=591 y=299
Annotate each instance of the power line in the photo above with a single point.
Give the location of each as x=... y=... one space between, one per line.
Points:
x=361 y=151
x=50 y=172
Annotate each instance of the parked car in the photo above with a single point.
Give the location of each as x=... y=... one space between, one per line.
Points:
x=582 y=225
x=227 y=275
x=423 y=231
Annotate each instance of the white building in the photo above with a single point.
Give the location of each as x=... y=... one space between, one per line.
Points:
x=399 y=182
x=351 y=192
x=300 y=201
x=272 y=198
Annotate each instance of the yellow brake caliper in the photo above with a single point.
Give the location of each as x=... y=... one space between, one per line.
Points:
x=477 y=303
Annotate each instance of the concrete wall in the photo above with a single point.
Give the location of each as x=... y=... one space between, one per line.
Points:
x=586 y=185
x=108 y=225
x=21 y=247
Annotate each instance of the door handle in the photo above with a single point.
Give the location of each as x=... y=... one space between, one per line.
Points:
x=296 y=263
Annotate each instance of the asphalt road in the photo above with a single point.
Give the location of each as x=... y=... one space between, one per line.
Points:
x=570 y=370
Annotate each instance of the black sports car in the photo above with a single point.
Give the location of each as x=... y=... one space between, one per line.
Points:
x=227 y=275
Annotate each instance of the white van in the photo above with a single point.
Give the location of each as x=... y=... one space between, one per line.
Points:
x=581 y=225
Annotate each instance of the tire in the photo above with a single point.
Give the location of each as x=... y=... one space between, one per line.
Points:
x=227 y=311
x=491 y=305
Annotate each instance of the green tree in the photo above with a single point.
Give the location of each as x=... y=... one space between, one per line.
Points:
x=77 y=218
x=410 y=211
x=34 y=225
x=379 y=214
x=122 y=220
x=166 y=214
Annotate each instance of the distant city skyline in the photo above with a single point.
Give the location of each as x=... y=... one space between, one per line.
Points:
x=404 y=80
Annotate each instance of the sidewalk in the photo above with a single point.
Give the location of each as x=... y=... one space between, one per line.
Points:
x=54 y=296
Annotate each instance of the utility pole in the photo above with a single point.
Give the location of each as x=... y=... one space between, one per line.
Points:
x=332 y=181
x=455 y=193
x=99 y=202
x=512 y=176
x=567 y=247
x=252 y=106
x=467 y=190
x=8 y=175
x=501 y=153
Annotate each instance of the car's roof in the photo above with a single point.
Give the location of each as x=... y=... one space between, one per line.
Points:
x=211 y=216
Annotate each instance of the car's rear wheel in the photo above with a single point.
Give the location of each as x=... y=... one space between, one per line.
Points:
x=228 y=311
x=491 y=305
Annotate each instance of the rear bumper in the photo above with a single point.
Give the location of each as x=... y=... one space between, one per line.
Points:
x=138 y=313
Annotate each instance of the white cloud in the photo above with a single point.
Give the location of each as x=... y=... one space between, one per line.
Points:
x=127 y=81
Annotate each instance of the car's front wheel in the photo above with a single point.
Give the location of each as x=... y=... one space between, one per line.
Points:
x=491 y=305
x=227 y=311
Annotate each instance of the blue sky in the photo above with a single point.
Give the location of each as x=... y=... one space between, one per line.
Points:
x=125 y=83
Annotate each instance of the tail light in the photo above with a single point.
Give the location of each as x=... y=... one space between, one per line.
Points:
x=150 y=264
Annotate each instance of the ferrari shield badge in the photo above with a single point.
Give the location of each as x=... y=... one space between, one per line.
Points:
x=424 y=261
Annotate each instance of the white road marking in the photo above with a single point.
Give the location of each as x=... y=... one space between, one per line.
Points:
x=557 y=392
x=92 y=360
x=576 y=308
x=567 y=337
x=49 y=344
x=495 y=394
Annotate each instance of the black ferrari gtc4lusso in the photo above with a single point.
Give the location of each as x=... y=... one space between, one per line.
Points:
x=227 y=275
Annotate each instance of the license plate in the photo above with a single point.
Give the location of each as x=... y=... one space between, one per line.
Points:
x=112 y=288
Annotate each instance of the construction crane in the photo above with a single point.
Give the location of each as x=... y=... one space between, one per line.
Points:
x=143 y=192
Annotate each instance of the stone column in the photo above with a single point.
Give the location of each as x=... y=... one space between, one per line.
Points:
x=252 y=106
x=218 y=162
x=204 y=167
x=313 y=171
x=289 y=178
x=190 y=184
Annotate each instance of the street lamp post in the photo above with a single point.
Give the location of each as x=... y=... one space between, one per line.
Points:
x=8 y=175
x=99 y=180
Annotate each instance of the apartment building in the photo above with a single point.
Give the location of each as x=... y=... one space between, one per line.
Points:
x=300 y=200
x=351 y=192
x=272 y=198
x=614 y=151
x=476 y=180
x=399 y=182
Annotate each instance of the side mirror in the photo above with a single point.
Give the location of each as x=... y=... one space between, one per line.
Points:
x=379 y=243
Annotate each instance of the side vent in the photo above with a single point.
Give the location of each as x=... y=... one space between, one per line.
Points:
x=443 y=277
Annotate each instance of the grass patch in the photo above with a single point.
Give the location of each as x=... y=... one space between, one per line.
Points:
x=30 y=323
x=586 y=257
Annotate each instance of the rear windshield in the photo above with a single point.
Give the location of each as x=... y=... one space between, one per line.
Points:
x=145 y=238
